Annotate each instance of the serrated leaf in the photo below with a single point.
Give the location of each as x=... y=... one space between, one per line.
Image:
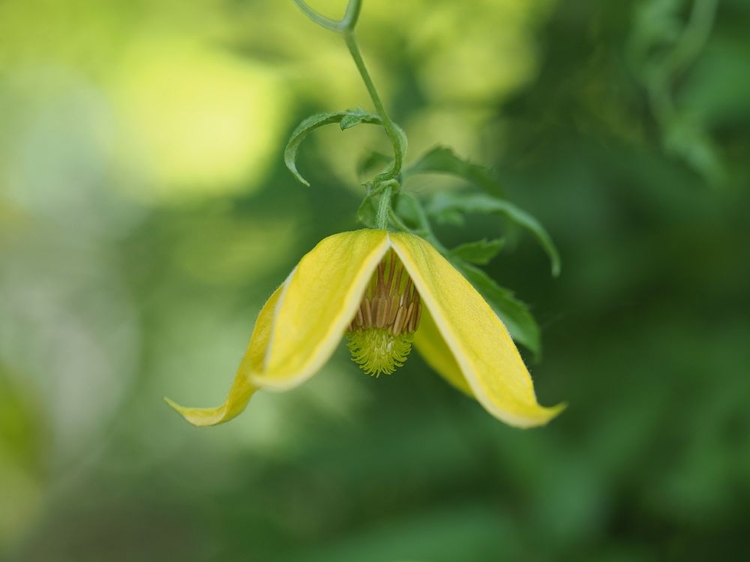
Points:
x=354 y=117
x=442 y=160
x=479 y=252
x=513 y=313
x=487 y=204
x=347 y=119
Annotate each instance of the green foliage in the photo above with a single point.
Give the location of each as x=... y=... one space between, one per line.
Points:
x=663 y=46
x=443 y=160
x=445 y=203
x=479 y=252
x=346 y=120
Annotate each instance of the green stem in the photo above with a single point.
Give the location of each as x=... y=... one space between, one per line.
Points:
x=347 y=22
x=688 y=47
x=693 y=38
x=384 y=205
x=352 y=14
x=351 y=43
x=387 y=182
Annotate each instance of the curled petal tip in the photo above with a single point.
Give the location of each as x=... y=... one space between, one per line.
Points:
x=542 y=416
x=555 y=411
x=200 y=417
x=174 y=405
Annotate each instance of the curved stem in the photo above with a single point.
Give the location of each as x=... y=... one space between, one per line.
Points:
x=694 y=37
x=688 y=47
x=393 y=135
x=346 y=23
x=352 y=14
x=386 y=183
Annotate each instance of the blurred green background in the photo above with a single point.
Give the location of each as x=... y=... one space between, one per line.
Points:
x=145 y=215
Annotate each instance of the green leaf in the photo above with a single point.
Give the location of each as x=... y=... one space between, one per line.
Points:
x=354 y=117
x=442 y=160
x=479 y=252
x=346 y=119
x=367 y=211
x=487 y=204
x=513 y=313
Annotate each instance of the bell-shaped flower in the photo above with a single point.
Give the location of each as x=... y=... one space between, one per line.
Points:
x=384 y=291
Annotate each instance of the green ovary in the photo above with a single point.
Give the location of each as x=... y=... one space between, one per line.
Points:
x=378 y=351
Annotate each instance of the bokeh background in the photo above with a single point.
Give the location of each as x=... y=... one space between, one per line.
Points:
x=145 y=215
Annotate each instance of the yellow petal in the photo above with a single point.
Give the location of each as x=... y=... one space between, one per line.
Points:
x=480 y=344
x=318 y=302
x=242 y=389
x=433 y=349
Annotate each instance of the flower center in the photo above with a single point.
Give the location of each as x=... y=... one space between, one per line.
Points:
x=382 y=331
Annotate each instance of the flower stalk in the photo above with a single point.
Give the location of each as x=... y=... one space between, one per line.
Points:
x=386 y=183
x=390 y=129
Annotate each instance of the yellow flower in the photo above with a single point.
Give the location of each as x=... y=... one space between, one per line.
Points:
x=383 y=290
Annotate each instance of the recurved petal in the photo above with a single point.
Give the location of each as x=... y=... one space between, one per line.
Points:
x=318 y=301
x=242 y=389
x=480 y=344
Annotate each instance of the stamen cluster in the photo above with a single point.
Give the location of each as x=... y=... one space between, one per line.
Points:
x=382 y=330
